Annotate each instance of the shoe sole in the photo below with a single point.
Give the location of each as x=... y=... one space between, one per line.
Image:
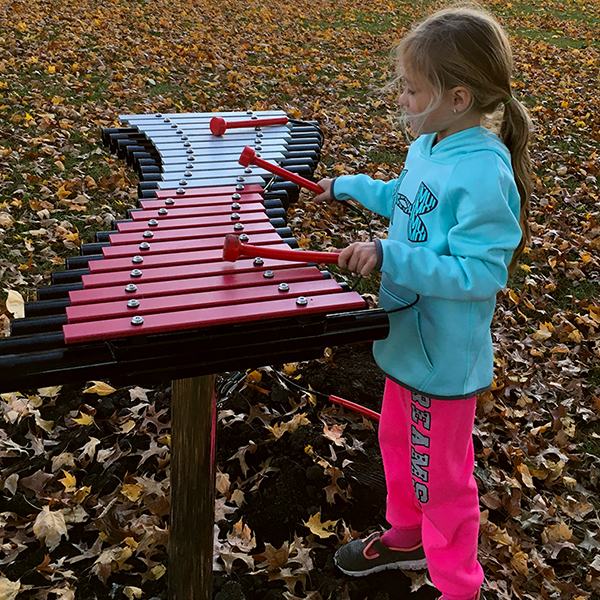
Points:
x=414 y=565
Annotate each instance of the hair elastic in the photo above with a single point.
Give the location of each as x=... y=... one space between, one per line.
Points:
x=508 y=101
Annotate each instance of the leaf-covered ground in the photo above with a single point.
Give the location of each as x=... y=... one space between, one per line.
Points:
x=84 y=481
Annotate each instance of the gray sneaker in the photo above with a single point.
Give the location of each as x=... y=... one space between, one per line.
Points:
x=371 y=555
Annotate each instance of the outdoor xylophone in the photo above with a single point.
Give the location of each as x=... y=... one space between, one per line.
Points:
x=156 y=299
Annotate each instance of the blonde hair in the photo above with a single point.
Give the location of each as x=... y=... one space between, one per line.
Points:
x=468 y=47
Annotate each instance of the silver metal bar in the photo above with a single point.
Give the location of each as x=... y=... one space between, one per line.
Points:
x=184 y=117
x=217 y=181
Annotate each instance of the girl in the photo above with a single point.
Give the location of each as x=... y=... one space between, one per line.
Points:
x=458 y=223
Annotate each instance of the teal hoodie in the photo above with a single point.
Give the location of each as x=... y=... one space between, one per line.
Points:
x=454 y=225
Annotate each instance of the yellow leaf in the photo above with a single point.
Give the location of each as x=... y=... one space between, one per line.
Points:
x=9 y=589
x=63 y=193
x=576 y=336
x=15 y=304
x=280 y=428
x=543 y=333
x=320 y=529
x=526 y=476
x=69 y=481
x=85 y=419
x=127 y=427
x=100 y=388
x=519 y=563
x=51 y=69
x=43 y=424
x=82 y=493
x=158 y=571
x=49 y=392
x=254 y=377
x=502 y=537
x=132 y=491
x=133 y=592
x=557 y=533
x=6 y=220
x=289 y=369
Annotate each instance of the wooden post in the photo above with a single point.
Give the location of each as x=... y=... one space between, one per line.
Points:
x=193 y=431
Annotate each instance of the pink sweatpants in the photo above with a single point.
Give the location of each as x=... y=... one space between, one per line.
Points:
x=428 y=457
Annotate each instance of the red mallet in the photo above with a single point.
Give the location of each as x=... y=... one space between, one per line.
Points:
x=367 y=412
x=218 y=125
x=233 y=249
x=248 y=157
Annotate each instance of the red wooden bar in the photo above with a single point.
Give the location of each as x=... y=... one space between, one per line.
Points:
x=263 y=226
x=182 y=272
x=157 y=225
x=209 y=317
x=173 y=303
x=187 y=245
x=114 y=265
x=198 y=211
x=201 y=283
x=179 y=201
x=209 y=191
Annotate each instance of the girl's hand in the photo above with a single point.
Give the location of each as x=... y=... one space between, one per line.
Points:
x=360 y=257
x=326 y=194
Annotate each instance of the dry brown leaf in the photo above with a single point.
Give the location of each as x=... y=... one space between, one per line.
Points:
x=49 y=527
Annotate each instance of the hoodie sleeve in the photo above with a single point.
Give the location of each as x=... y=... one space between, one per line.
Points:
x=481 y=241
x=373 y=194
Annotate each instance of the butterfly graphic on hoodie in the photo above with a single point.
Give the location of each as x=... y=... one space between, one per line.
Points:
x=423 y=203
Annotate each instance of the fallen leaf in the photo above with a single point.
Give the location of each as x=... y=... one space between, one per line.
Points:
x=9 y=589
x=321 y=529
x=100 y=388
x=49 y=527
x=15 y=303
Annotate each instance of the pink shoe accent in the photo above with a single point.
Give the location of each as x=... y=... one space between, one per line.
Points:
x=369 y=547
x=410 y=550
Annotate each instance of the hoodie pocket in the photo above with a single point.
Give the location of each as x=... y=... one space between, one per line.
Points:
x=405 y=334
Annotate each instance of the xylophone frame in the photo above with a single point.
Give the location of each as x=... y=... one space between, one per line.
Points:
x=191 y=357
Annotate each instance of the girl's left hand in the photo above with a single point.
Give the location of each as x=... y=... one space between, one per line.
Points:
x=360 y=257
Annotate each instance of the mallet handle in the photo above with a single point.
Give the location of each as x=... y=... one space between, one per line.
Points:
x=218 y=125
x=367 y=412
x=285 y=254
x=257 y=122
x=277 y=170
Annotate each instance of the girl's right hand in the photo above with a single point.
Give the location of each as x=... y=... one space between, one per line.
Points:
x=324 y=196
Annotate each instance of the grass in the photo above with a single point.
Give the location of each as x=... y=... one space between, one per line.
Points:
x=557 y=40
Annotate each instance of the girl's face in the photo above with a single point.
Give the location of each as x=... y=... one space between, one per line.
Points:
x=425 y=112
x=447 y=114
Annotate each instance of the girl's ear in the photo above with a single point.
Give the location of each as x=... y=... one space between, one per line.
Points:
x=461 y=99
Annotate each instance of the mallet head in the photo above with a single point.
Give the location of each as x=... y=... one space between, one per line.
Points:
x=247 y=156
x=218 y=126
x=231 y=247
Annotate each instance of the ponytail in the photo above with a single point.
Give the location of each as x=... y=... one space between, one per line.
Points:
x=515 y=132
